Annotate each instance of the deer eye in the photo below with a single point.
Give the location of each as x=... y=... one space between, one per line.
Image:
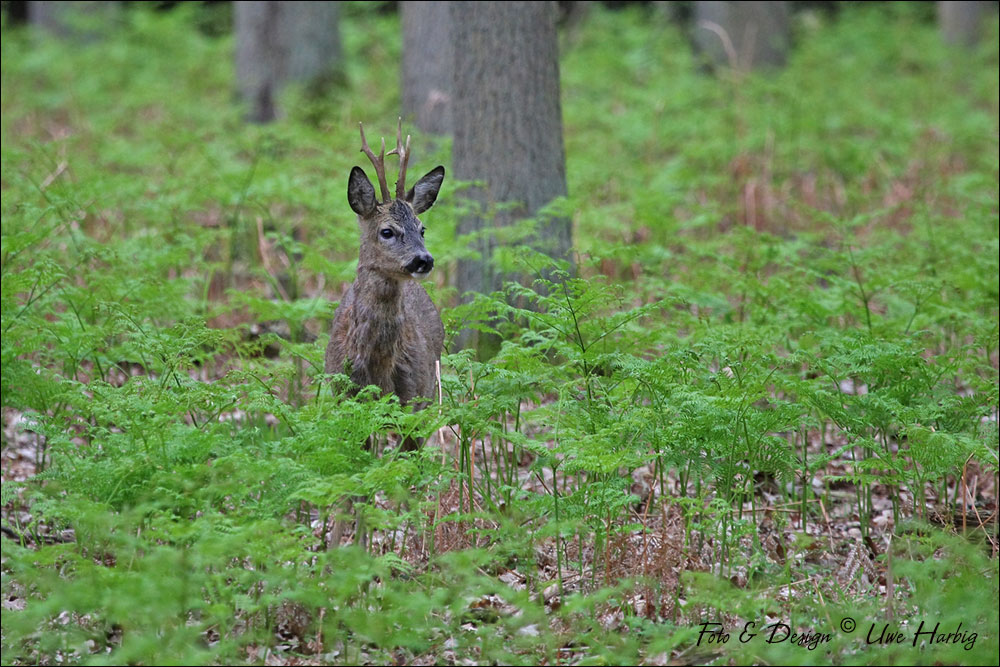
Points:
x=386 y=233
x=422 y=230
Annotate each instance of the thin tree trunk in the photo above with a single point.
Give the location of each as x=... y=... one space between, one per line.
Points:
x=962 y=23
x=282 y=42
x=742 y=35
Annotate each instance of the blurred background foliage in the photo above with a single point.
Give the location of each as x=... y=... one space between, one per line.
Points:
x=779 y=342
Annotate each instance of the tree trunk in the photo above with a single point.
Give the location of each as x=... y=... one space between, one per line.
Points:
x=742 y=35
x=282 y=42
x=962 y=22
x=507 y=125
x=427 y=65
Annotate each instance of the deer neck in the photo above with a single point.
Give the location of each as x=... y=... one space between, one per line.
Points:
x=378 y=321
x=378 y=291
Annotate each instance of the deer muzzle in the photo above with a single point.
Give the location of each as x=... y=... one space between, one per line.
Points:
x=420 y=265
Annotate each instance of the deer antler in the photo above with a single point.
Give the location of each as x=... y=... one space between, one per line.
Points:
x=378 y=162
x=404 y=156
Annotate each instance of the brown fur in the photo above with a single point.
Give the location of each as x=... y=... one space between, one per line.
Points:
x=386 y=331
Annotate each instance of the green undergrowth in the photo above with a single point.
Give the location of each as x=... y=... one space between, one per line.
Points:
x=785 y=307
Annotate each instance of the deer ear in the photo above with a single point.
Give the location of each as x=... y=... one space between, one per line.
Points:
x=425 y=192
x=360 y=193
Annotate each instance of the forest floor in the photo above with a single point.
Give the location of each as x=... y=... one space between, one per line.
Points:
x=654 y=554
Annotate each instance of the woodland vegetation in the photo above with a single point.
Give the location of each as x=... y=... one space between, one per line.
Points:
x=763 y=400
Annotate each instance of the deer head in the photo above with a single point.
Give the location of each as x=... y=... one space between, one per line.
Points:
x=392 y=240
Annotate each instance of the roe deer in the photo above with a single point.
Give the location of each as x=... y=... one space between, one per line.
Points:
x=386 y=330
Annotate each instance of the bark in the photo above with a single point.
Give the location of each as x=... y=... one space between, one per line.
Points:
x=507 y=125
x=278 y=43
x=742 y=35
x=962 y=23
x=427 y=65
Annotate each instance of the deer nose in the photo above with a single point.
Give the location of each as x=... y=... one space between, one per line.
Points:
x=420 y=264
